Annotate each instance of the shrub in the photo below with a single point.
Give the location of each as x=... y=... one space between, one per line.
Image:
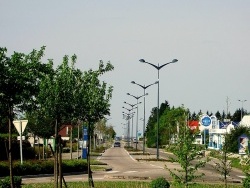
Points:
x=5 y=183
x=159 y=183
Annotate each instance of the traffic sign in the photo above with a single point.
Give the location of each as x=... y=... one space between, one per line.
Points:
x=206 y=121
x=20 y=125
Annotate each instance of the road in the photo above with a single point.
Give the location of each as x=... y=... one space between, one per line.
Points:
x=126 y=167
x=211 y=174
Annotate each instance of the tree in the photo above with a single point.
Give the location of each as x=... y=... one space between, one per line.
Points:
x=151 y=128
x=224 y=165
x=20 y=78
x=194 y=116
x=237 y=115
x=186 y=154
x=92 y=101
x=218 y=115
x=56 y=101
x=233 y=136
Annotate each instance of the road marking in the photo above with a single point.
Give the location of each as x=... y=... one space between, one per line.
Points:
x=127 y=172
x=111 y=172
x=157 y=166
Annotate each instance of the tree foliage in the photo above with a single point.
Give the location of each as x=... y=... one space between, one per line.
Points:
x=232 y=138
x=186 y=153
x=19 y=86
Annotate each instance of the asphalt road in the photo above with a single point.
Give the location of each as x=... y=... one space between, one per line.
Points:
x=125 y=167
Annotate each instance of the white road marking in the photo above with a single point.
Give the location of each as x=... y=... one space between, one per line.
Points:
x=112 y=172
x=127 y=172
x=157 y=166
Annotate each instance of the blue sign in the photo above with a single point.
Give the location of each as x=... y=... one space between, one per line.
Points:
x=206 y=121
x=85 y=140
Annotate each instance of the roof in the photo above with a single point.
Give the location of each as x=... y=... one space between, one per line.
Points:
x=245 y=120
x=223 y=125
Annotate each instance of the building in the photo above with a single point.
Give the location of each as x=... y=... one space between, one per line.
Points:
x=218 y=129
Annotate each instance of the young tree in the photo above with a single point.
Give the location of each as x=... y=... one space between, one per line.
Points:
x=56 y=99
x=223 y=166
x=20 y=77
x=93 y=102
x=186 y=153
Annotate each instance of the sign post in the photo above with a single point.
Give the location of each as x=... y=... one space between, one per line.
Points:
x=205 y=121
x=20 y=127
x=84 y=145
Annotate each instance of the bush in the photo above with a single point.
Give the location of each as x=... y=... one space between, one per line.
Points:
x=5 y=183
x=246 y=181
x=159 y=183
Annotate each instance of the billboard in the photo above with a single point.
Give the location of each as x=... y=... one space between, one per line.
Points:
x=243 y=144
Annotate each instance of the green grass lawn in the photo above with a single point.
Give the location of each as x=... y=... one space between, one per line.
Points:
x=126 y=184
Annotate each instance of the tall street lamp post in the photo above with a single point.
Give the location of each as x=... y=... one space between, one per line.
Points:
x=131 y=116
x=137 y=98
x=144 y=87
x=242 y=101
x=158 y=67
x=127 y=117
x=132 y=105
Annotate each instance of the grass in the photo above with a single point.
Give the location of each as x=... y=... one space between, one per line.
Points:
x=125 y=184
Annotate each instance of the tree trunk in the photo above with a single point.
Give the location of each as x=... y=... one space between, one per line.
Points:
x=78 y=136
x=60 y=161
x=71 y=145
x=10 y=148
x=39 y=153
x=56 y=157
x=90 y=179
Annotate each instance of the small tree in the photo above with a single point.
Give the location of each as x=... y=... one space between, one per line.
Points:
x=186 y=154
x=224 y=165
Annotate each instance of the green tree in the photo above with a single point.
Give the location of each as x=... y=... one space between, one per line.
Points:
x=218 y=116
x=233 y=136
x=19 y=85
x=152 y=125
x=151 y=128
x=56 y=99
x=237 y=115
x=92 y=101
x=186 y=154
x=224 y=165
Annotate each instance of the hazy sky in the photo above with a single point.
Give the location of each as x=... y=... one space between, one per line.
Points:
x=209 y=38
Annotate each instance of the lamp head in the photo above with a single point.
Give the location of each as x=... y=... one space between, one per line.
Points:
x=142 y=60
x=146 y=94
x=133 y=82
x=174 y=60
x=128 y=93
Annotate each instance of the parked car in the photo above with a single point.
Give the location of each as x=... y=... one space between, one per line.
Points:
x=135 y=140
x=117 y=144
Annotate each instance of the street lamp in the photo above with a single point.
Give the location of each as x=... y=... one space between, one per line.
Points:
x=137 y=98
x=132 y=105
x=158 y=67
x=144 y=87
x=129 y=116
x=242 y=101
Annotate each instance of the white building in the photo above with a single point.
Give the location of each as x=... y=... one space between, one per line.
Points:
x=218 y=129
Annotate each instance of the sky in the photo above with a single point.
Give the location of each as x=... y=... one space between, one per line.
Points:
x=210 y=39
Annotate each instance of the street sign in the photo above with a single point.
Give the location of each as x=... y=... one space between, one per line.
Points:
x=206 y=121
x=20 y=125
